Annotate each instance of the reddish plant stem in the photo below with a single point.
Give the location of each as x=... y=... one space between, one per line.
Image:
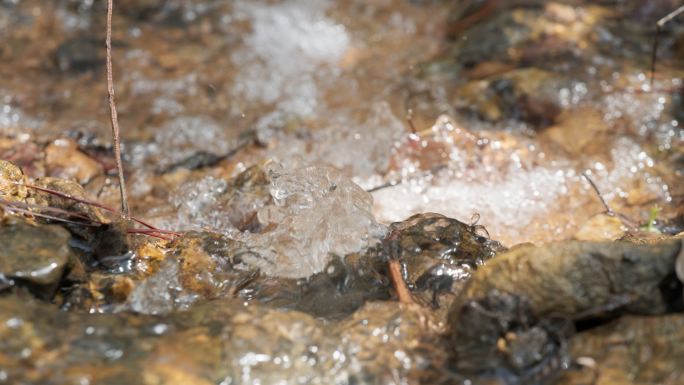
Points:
x=114 y=117
x=151 y=233
x=96 y=204
x=29 y=210
x=16 y=209
x=67 y=196
x=48 y=209
x=403 y=292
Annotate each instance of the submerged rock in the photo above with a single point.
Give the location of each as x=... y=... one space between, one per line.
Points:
x=32 y=255
x=317 y=212
x=79 y=54
x=220 y=341
x=541 y=33
x=530 y=95
x=223 y=205
x=198 y=266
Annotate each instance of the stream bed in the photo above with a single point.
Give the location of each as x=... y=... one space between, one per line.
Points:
x=514 y=161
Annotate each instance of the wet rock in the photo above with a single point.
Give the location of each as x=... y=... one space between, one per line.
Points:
x=601 y=227
x=336 y=292
x=217 y=341
x=498 y=335
x=198 y=266
x=632 y=350
x=69 y=188
x=11 y=180
x=542 y=284
x=149 y=253
x=64 y=160
x=543 y=34
x=107 y=240
x=33 y=255
x=578 y=279
x=210 y=264
x=437 y=252
x=143 y=9
x=79 y=54
x=529 y=95
x=161 y=293
x=577 y=129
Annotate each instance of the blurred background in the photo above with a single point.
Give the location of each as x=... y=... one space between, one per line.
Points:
x=458 y=107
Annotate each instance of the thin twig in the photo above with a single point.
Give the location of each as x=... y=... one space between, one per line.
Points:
x=608 y=211
x=403 y=292
x=409 y=120
x=627 y=221
x=112 y=109
x=659 y=27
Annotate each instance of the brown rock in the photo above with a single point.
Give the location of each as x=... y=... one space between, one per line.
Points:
x=10 y=175
x=632 y=350
x=576 y=129
x=570 y=279
x=33 y=255
x=68 y=188
x=601 y=227
x=64 y=160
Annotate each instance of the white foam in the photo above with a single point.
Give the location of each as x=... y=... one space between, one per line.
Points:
x=291 y=51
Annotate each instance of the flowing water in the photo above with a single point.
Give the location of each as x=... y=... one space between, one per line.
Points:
x=303 y=129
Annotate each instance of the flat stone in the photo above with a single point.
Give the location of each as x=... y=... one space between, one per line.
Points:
x=64 y=160
x=11 y=178
x=36 y=254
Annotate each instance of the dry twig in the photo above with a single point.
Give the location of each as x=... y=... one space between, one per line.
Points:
x=608 y=211
x=112 y=109
x=659 y=27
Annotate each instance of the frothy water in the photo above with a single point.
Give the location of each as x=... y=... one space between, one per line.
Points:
x=293 y=49
x=325 y=84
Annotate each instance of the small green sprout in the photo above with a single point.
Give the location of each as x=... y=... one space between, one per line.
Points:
x=650 y=226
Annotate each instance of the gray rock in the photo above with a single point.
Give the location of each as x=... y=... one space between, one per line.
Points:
x=33 y=254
